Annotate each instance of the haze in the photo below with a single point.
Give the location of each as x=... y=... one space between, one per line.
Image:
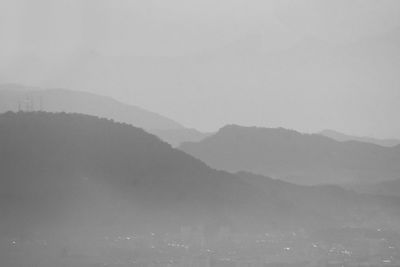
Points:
x=307 y=65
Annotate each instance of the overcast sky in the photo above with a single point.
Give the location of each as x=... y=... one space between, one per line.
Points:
x=302 y=64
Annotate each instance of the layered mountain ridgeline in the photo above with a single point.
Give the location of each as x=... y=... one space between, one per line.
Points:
x=61 y=100
x=80 y=170
x=296 y=157
x=14 y=97
x=70 y=172
x=344 y=137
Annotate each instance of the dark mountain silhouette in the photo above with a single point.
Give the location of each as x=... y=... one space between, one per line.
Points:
x=344 y=137
x=77 y=170
x=61 y=100
x=296 y=157
x=69 y=173
x=72 y=168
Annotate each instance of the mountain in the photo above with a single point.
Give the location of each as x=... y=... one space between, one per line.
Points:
x=77 y=169
x=344 y=137
x=72 y=171
x=14 y=96
x=73 y=182
x=81 y=170
x=61 y=100
x=296 y=157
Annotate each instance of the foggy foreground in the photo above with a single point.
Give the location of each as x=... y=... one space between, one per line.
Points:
x=77 y=190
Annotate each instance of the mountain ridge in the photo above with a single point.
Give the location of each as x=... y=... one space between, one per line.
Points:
x=338 y=136
x=295 y=157
x=57 y=100
x=78 y=172
x=15 y=97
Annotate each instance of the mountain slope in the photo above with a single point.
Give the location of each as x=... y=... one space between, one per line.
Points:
x=296 y=157
x=66 y=168
x=344 y=137
x=60 y=100
x=71 y=171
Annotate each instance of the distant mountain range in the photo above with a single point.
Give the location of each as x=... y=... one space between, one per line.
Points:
x=69 y=173
x=61 y=100
x=344 y=137
x=14 y=97
x=296 y=157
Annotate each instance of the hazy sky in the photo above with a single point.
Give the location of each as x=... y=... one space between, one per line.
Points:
x=302 y=64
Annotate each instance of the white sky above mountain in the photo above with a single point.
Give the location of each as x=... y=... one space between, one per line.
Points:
x=303 y=64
